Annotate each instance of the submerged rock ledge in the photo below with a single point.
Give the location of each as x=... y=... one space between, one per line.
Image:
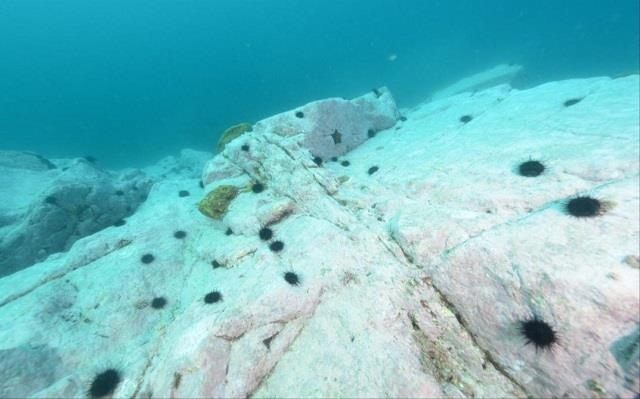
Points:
x=401 y=260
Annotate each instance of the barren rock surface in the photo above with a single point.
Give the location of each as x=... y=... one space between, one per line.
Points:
x=416 y=261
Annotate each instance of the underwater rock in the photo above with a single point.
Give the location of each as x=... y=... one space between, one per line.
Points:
x=188 y=164
x=25 y=160
x=232 y=133
x=430 y=265
x=45 y=210
x=334 y=126
x=500 y=74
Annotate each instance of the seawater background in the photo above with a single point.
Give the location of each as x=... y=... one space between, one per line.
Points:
x=131 y=81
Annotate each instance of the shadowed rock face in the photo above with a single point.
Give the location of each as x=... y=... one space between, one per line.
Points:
x=413 y=281
x=47 y=207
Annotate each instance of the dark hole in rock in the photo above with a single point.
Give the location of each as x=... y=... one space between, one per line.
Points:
x=267 y=341
x=337 y=137
x=257 y=187
x=466 y=118
x=572 y=101
x=147 y=258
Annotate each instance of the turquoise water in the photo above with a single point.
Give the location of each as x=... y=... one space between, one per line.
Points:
x=128 y=82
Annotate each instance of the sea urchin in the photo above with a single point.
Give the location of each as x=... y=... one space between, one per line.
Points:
x=584 y=206
x=291 y=278
x=104 y=383
x=531 y=168
x=538 y=332
x=158 y=302
x=212 y=297
x=265 y=233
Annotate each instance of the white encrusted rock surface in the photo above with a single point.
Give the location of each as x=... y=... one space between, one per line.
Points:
x=334 y=126
x=416 y=260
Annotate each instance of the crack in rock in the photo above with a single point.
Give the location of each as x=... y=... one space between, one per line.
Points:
x=62 y=273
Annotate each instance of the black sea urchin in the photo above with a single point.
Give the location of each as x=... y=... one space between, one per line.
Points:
x=104 y=383
x=539 y=333
x=212 y=297
x=291 y=278
x=276 y=246
x=584 y=206
x=158 y=302
x=265 y=233
x=531 y=168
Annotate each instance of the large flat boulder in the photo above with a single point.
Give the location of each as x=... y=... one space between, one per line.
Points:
x=412 y=266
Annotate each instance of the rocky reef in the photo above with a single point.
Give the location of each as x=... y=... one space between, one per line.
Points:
x=48 y=205
x=481 y=245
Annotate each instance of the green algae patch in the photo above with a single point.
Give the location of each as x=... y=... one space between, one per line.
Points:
x=216 y=203
x=232 y=133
